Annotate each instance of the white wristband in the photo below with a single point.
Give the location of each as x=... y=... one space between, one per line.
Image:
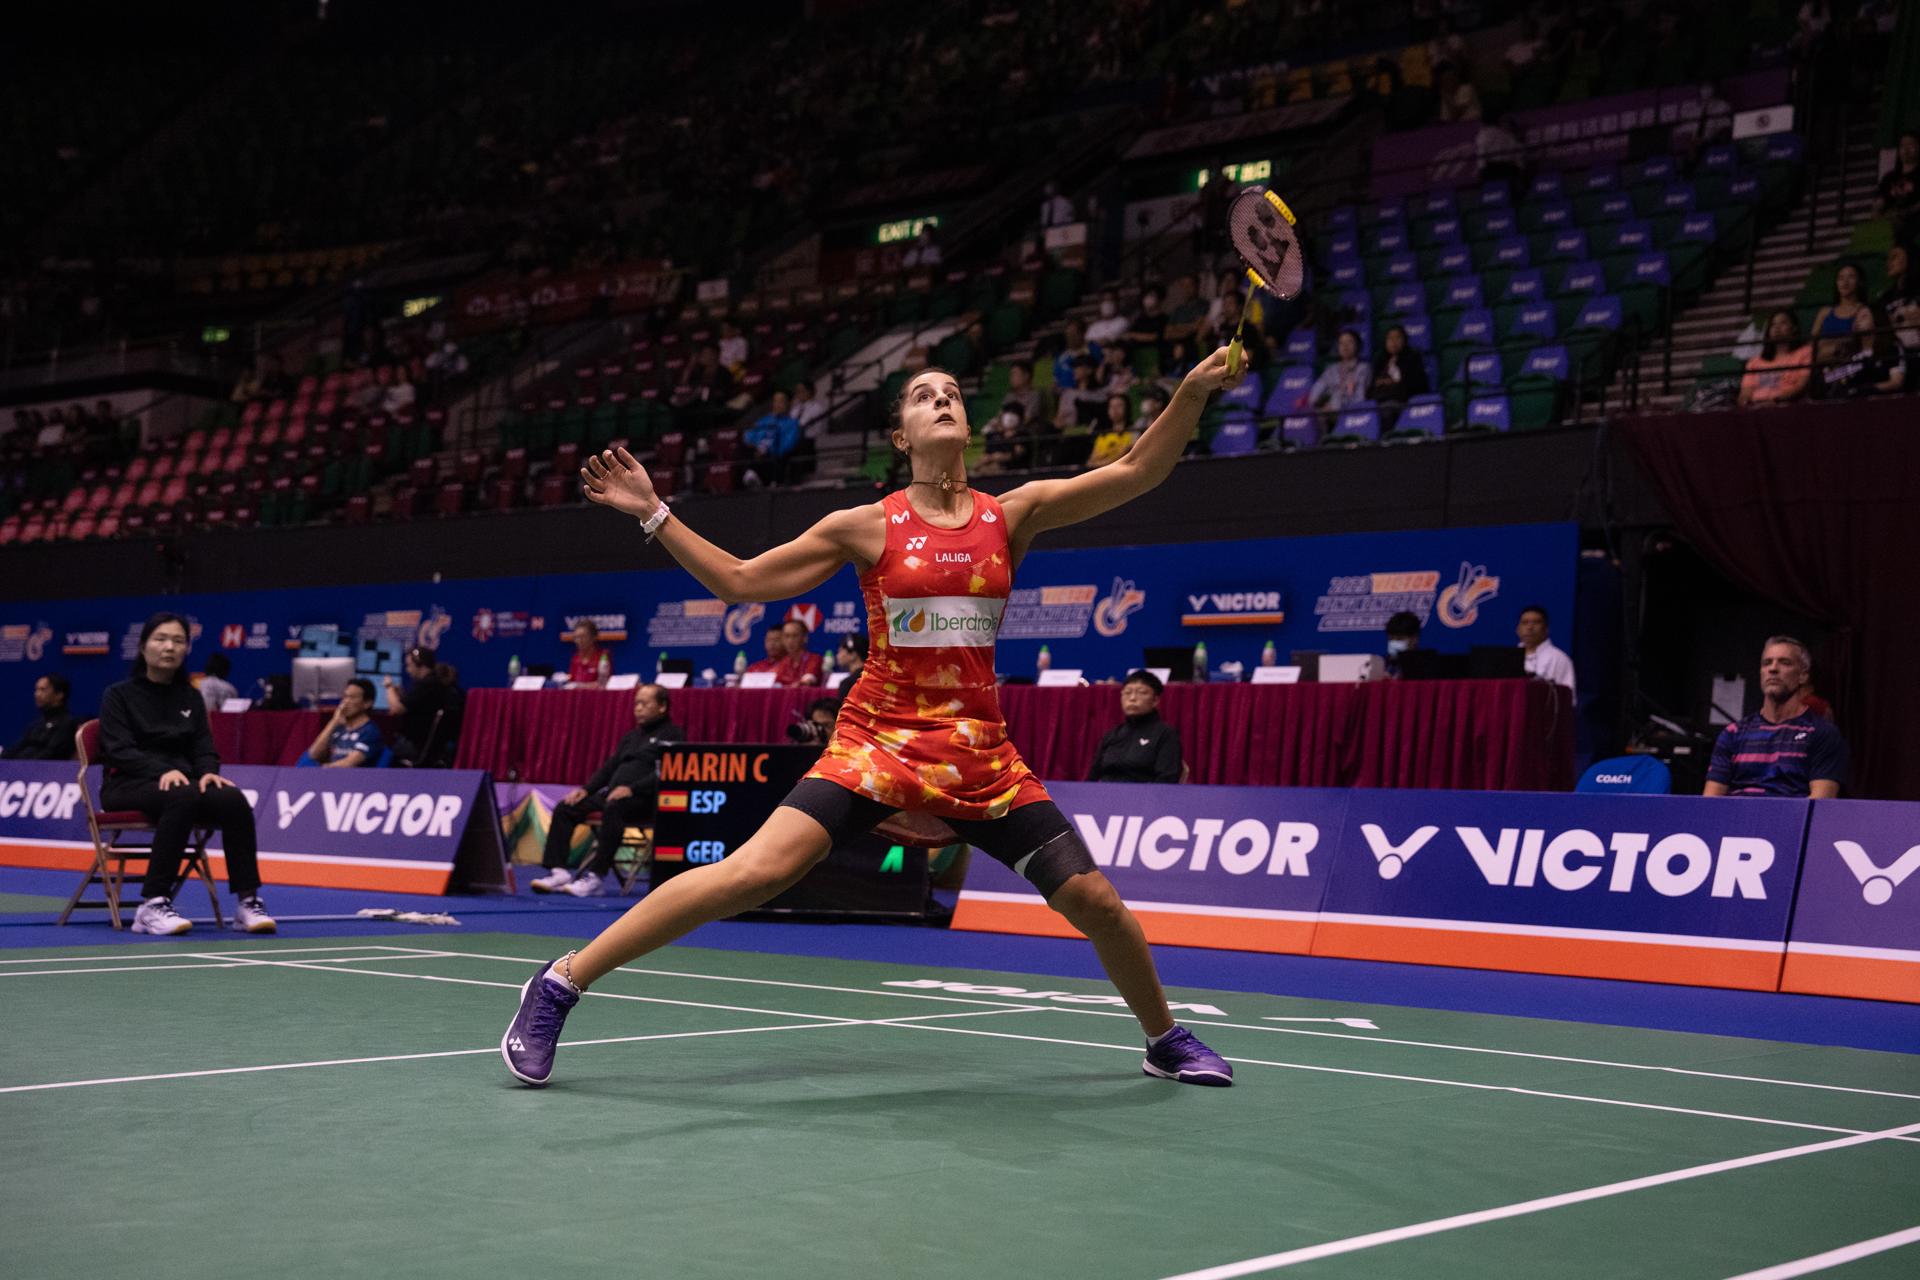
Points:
x=651 y=525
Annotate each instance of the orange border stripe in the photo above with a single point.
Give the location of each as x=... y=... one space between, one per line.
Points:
x=1576 y=957
x=1168 y=928
x=1867 y=976
x=324 y=875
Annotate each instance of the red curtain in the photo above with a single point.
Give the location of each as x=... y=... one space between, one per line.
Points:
x=1496 y=735
x=1816 y=507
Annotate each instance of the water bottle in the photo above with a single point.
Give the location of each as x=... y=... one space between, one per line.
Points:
x=826 y=663
x=513 y=668
x=661 y=665
x=1268 y=656
x=1045 y=660
x=1200 y=662
x=606 y=666
x=740 y=663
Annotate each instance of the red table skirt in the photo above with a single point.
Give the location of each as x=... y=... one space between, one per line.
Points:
x=276 y=738
x=1475 y=735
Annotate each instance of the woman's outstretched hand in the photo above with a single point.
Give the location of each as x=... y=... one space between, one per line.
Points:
x=1212 y=374
x=614 y=479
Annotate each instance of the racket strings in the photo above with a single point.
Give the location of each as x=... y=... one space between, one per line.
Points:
x=1266 y=242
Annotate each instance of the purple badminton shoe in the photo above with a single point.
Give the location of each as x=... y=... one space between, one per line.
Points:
x=1179 y=1055
x=534 y=1034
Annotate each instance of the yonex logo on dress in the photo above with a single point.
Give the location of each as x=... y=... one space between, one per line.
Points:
x=914 y=544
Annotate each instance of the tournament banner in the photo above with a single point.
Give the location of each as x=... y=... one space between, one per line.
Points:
x=425 y=831
x=1678 y=889
x=1856 y=924
x=1240 y=868
x=1096 y=609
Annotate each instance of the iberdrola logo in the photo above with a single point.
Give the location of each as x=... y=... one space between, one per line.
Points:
x=908 y=622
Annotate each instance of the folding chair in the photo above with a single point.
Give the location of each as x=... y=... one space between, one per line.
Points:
x=112 y=850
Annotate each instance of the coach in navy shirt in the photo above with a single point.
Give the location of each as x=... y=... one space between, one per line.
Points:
x=1782 y=749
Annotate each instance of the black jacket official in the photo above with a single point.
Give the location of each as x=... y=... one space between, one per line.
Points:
x=49 y=737
x=1142 y=749
x=149 y=729
x=635 y=762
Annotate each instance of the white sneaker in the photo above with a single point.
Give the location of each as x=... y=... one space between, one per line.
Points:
x=554 y=881
x=250 y=916
x=156 y=915
x=584 y=885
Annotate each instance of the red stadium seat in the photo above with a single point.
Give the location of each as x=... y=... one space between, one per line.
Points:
x=359 y=509
x=671 y=452
x=724 y=445
x=665 y=482
x=449 y=499
x=720 y=477
x=553 y=490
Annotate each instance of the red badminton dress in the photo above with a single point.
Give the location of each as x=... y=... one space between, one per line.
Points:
x=921 y=729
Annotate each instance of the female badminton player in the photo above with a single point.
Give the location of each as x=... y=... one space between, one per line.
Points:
x=921 y=731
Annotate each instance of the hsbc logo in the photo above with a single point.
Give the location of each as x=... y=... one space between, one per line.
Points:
x=1674 y=866
x=1877 y=883
x=233 y=636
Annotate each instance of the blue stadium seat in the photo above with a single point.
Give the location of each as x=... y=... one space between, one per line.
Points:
x=1300 y=430
x=1533 y=320
x=1547 y=215
x=1491 y=224
x=1347 y=275
x=1489 y=413
x=1389 y=238
x=1602 y=312
x=1784 y=148
x=1248 y=397
x=1343 y=218
x=1626 y=237
x=1635 y=775
x=1698 y=228
x=1511 y=251
x=1475 y=326
x=1545 y=186
x=1483 y=369
x=1423 y=415
x=1403 y=299
x=1548 y=362
x=1601 y=177
x=1237 y=436
x=1353 y=306
x=1290 y=389
x=1419 y=331
x=1525 y=286
x=1434 y=204
x=1611 y=206
x=1678 y=198
x=1743 y=189
x=1720 y=158
x=1655 y=169
x=1352 y=425
x=1647 y=268
x=1392 y=209
x=1492 y=195
x=1452 y=261
x=1343 y=246
x=1458 y=291
x=1568 y=245
x=1435 y=233
x=1303 y=345
x=1400 y=268
x=1583 y=277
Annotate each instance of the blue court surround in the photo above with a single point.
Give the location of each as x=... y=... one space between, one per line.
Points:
x=1860 y=1024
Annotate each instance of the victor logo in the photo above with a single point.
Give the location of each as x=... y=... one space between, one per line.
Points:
x=1672 y=866
x=1877 y=883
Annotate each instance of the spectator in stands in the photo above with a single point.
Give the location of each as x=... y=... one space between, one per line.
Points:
x=1142 y=747
x=733 y=348
x=1074 y=348
x=350 y=739
x=1111 y=323
x=771 y=440
x=1399 y=372
x=852 y=655
x=923 y=252
x=817 y=728
x=1115 y=435
x=1545 y=659
x=1782 y=749
x=1499 y=155
x=810 y=412
x=1403 y=633
x=400 y=395
x=1153 y=403
x=1447 y=47
x=1021 y=391
x=215 y=688
x=799 y=666
x=156 y=745
x=428 y=714
x=591 y=665
x=1834 y=324
x=447 y=361
x=1149 y=327
x=624 y=791
x=977 y=354
x=49 y=735
x=1899 y=303
x=776 y=646
x=1528 y=47
x=1232 y=304
x=1898 y=195
x=1186 y=309
x=1783 y=370
x=1055 y=209
x=705 y=381
x=1346 y=379
x=1459 y=100
x=1005 y=447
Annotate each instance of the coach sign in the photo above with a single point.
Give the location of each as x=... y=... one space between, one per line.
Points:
x=399 y=830
x=1237 y=867
x=1856 y=923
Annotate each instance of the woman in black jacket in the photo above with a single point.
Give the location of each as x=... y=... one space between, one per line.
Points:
x=157 y=748
x=1144 y=748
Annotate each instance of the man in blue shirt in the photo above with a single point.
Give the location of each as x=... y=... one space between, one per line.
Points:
x=351 y=738
x=771 y=439
x=1782 y=749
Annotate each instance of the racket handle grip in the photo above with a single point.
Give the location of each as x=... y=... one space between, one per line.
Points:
x=1236 y=355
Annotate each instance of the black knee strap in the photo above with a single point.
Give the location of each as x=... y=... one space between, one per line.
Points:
x=1054 y=863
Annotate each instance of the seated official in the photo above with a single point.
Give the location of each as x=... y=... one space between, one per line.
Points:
x=49 y=735
x=1143 y=748
x=623 y=790
x=585 y=672
x=1783 y=749
x=157 y=749
x=1403 y=633
x=351 y=739
x=800 y=666
x=436 y=691
x=1545 y=660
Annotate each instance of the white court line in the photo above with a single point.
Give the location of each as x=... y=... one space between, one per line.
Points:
x=1455 y=1084
x=1245 y=1026
x=125 y=968
x=212 y=960
x=1833 y=1257
x=1435 y=1226
x=468 y=1053
x=175 y=955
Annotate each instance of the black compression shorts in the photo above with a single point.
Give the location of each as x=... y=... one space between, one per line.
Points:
x=1035 y=840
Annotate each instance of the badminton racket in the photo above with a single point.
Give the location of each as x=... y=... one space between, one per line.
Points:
x=1264 y=233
